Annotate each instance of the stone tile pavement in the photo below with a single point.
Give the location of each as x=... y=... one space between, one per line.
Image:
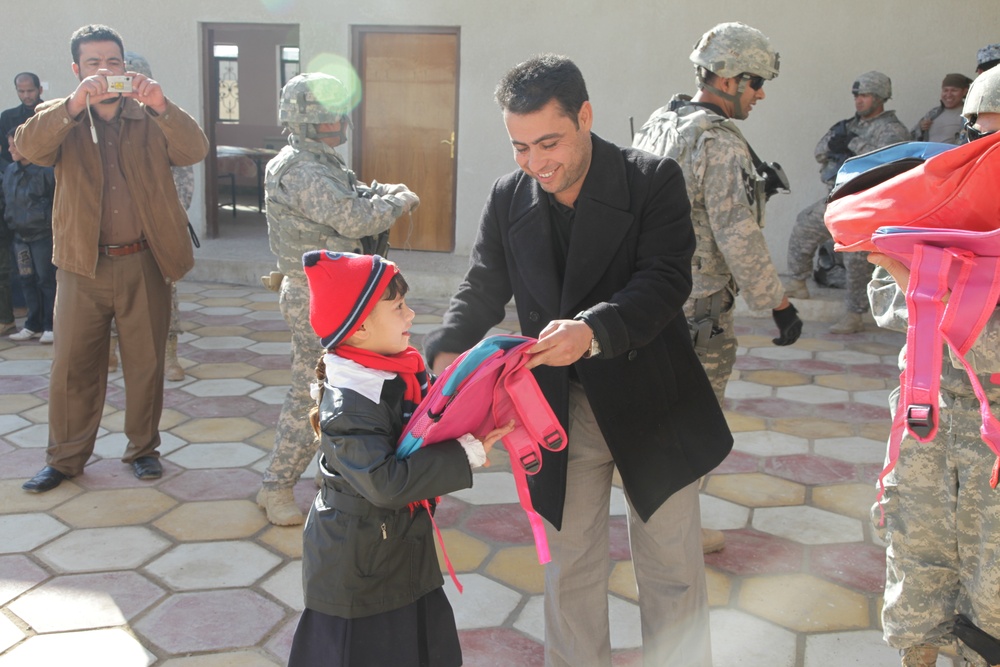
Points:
x=186 y=572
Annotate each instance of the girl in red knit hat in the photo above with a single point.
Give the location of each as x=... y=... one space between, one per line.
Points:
x=373 y=586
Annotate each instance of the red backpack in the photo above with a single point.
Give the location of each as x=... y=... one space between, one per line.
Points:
x=941 y=220
x=484 y=388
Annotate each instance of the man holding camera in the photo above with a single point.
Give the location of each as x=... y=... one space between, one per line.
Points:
x=120 y=235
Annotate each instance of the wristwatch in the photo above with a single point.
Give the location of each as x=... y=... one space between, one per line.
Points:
x=594 y=351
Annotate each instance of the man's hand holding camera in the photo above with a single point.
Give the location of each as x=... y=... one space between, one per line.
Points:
x=106 y=87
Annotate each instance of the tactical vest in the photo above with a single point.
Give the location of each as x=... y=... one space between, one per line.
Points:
x=676 y=134
x=289 y=233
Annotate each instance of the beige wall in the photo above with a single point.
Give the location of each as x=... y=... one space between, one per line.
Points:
x=633 y=54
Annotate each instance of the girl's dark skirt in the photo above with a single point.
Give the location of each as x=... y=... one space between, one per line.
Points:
x=421 y=634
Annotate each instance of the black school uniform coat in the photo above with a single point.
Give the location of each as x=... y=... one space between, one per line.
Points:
x=629 y=267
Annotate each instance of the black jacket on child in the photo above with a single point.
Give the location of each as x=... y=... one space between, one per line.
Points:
x=364 y=551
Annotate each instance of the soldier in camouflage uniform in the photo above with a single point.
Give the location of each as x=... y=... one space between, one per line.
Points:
x=870 y=128
x=941 y=515
x=313 y=201
x=727 y=193
x=184 y=184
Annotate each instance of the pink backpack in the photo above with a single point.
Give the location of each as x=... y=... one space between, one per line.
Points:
x=966 y=264
x=484 y=388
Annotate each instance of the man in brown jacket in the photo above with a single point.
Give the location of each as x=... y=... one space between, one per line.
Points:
x=119 y=237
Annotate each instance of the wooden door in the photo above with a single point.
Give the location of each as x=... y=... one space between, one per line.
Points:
x=406 y=125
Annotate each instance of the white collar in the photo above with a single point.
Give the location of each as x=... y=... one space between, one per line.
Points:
x=347 y=374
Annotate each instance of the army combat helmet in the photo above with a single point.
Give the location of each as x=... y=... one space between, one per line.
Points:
x=983 y=97
x=873 y=83
x=734 y=50
x=308 y=100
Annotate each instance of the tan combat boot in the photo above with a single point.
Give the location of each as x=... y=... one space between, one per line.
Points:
x=919 y=656
x=796 y=289
x=113 y=355
x=280 y=506
x=848 y=324
x=712 y=540
x=172 y=369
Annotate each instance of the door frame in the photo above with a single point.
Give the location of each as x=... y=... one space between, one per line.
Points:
x=358 y=33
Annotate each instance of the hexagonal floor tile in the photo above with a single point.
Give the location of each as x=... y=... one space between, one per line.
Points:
x=518 y=567
x=86 y=601
x=201 y=621
x=114 y=507
x=808 y=525
x=286 y=585
x=26 y=532
x=114 y=646
x=489 y=488
x=213 y=520
x=216 y=455
x=804 y=603
x=755 y=490
x=483 y=602
x=213 y=565
x=769 y=443
x=98 y=549
x=741 y=639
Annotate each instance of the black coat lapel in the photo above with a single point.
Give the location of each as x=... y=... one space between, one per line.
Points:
x=531 y=241
x=602 y=220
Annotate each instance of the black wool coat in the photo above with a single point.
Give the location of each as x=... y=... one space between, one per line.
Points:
x=629 y=266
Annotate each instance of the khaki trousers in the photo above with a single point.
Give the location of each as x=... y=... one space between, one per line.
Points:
x=131 y=290
x=666 y=555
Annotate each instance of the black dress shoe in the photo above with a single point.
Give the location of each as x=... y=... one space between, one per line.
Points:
x=147 y=467
x=45 y=479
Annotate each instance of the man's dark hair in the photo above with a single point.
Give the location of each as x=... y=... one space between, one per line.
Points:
x=11 y=131
x=31 y=75
x=534 y=83
x=94 y=32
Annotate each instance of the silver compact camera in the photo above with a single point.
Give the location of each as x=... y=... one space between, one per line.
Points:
x=119 y=84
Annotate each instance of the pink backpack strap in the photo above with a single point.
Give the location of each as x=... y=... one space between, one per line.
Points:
x=518 y=396
x=921 y=379
x=975 y=290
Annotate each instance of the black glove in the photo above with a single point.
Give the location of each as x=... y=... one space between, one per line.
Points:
x=838 y=143
x=789 y=325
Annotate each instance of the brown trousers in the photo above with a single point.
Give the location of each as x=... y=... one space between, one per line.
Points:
x=131 y=290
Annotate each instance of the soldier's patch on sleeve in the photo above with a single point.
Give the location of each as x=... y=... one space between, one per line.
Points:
x=750 y=186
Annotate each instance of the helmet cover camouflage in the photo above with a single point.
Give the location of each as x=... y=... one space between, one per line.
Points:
x=983 y=95
x=987 y=54
x=873 y=83
x=137 y=63
x=313 y=98
x=731 y=49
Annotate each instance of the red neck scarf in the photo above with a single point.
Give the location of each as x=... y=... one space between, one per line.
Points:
x=408 y=364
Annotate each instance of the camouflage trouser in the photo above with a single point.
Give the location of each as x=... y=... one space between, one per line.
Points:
x=807 y=236
x=295 y=444
x=941 y=519
x=719 y=359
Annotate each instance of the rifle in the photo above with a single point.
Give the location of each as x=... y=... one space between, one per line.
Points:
x=982 y=643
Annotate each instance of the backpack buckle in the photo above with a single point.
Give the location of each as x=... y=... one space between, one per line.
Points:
x=530 y=462
x=552 y=441
x=920 y=419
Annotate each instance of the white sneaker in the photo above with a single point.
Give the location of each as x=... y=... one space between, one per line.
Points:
x=47 y=338
x=25 y=334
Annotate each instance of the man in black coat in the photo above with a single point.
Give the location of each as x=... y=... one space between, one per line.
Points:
x=594 y=242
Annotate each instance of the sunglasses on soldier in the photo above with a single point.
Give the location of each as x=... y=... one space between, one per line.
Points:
x=755 y=82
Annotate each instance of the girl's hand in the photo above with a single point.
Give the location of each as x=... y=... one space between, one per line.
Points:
x=495 y=435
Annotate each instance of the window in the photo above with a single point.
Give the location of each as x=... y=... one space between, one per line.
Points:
x=289 y=63
x=227 y=82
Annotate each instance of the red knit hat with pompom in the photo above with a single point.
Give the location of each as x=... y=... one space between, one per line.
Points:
x=343 y=290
